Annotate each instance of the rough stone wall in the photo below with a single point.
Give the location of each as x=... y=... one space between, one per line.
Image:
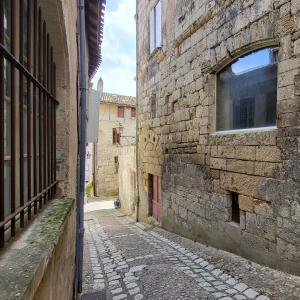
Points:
x=199 y=166
x=106 y=175
x=127 y=178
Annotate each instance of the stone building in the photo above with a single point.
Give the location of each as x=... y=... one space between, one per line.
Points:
x=127 y=178
x=117 y=128
x=218 y=123
x=39 y=103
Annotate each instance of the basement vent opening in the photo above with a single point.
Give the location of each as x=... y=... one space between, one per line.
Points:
x=235 y=209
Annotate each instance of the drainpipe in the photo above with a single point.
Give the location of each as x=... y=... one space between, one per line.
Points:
x=137 y=116
x=82 y=145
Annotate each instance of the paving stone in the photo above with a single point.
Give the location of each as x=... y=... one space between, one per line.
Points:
x=218 y=295
x=240 y=297
x=134 y=291
x=241 y=287
x=250 y=293
x=231 y=291
x=138 y=297
x=116 y=291
x=261 y=297
x=119 y=297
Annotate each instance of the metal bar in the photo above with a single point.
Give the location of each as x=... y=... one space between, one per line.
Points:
x=51 y=119
x=54 y=121
x=48 y=115
x=21 y=90
x=35 y=21
x=44 y=109
x=1 y=125
x=24 y=70
x=13 y=118
x=29 y=136
x=40 y=53
x=20 y=209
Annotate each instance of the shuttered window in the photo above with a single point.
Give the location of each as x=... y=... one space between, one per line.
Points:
x=121 y=111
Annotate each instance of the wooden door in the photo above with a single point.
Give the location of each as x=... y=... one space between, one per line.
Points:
x=156 y=197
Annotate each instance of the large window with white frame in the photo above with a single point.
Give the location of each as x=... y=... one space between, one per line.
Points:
x=247 y=91
x=155 y=27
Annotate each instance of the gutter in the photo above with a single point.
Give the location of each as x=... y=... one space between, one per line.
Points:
x=137 y=118
x=83 y=63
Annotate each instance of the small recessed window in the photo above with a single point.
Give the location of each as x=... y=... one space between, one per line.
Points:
x=121 y=111
x=247 y=91
x=235 y=208
x=116 y=136
x=133 y=112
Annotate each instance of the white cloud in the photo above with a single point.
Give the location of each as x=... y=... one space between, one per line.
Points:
x=118 y=49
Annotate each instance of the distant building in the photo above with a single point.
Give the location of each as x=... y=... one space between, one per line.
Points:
x=117 y=129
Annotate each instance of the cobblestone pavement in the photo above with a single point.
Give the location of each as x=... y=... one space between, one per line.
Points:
x=129 y=260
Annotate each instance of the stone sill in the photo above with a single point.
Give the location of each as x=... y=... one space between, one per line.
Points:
x=24 y=262
x=248 y=130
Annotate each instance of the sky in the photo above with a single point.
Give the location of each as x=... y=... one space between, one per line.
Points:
x=118 y=49
x=254 y=60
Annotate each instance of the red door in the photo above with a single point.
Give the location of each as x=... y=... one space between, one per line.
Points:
x=156 y=197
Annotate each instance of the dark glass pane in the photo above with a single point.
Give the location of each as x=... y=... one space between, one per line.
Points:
x=247 y=92
x=7 y=127
x=25 y=29
x=7 y=188
x=7 y=23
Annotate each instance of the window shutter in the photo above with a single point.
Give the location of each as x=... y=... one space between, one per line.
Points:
x=120 y=111
x=158 y=25
x=152 y=30
x=114 y=136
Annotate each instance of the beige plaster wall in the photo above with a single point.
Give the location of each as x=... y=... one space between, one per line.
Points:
x=61 y=19
x=127 y=178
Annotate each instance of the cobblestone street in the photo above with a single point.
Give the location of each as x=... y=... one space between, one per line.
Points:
x=128 y=260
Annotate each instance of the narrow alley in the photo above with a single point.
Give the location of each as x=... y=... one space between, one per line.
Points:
x=128 y=260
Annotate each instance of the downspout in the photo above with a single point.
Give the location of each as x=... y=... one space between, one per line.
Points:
x=82 y=145
x=137 y=117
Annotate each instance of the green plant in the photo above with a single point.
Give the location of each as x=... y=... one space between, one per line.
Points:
x=89 y=189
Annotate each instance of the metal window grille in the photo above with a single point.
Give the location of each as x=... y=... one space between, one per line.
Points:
x=27 y=114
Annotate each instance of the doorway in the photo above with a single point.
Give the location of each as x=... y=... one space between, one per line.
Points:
x=154 y=197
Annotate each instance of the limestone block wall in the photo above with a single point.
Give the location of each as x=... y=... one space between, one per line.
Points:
x=107 y=183
x=127 y=178
x=200 y=167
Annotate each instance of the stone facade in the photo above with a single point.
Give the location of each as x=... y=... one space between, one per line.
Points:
x=200 y=167
x=107 y=152
x=127 y=178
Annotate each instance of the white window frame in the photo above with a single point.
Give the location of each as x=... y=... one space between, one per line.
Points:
x=155 y=32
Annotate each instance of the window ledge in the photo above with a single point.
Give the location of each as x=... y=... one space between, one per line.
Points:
x=24 y=262
x=248 y=130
